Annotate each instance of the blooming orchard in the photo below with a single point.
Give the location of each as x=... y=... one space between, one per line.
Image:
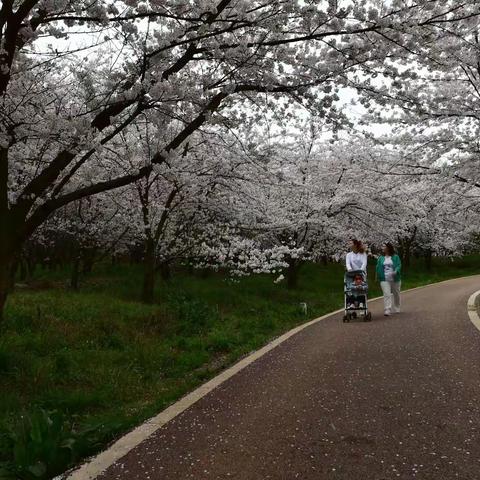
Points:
x=78 y=78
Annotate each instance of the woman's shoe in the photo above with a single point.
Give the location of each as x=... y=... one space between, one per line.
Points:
x=387 y=313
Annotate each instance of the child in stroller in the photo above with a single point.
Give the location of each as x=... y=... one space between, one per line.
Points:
x=356 y=288
x=357 y=285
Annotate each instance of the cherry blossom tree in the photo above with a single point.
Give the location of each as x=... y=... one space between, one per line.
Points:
x=422 y=214
x=79 y=234
x=298 y=199
x=171 y=205
x=191 y=63
x=433 y=103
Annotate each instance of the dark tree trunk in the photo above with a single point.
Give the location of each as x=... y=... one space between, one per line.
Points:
x=31 y=266
x=23 y=270
x=8 y=266
x=407 y=256
x=4 y=288
x=428 y=259
x=148 y=272
x=165 y=271
x=5 y=227
x=292 y=273
x=407 y=244
x=88 y=260
x=10 y=250
x=74 y=279
x=324 y=260
x=405 y=252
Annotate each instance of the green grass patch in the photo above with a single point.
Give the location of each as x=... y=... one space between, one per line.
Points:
x=80 y=368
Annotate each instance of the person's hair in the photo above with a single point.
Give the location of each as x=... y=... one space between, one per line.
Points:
x=390 y=248
x=358 y=245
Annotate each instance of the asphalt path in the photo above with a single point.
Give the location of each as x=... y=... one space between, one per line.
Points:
x=395 y=398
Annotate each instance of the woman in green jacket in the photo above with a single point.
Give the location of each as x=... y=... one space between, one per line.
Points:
x=389 y=273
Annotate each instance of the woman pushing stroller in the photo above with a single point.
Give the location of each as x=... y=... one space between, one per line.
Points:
x=357 y=257
x=356 y=261
x=355 y=283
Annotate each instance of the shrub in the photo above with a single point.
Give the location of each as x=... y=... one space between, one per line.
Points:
x=44 y=444
x=194 y=317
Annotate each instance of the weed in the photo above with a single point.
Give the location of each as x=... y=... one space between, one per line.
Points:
x=44 y=444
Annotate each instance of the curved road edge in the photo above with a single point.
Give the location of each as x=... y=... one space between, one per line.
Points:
x=473 y=308
x=99 y=463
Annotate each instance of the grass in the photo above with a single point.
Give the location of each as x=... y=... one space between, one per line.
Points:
x=104 y=362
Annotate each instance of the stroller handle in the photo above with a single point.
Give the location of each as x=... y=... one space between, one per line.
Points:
x=355 y=272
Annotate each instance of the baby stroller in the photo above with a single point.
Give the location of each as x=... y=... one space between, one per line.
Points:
x=356 y=298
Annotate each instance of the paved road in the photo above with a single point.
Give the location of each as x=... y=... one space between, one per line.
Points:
x=395 y=398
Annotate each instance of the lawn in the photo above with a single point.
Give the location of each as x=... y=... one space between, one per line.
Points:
x=79 y=368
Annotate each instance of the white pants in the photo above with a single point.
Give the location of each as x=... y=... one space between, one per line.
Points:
x=391 y=296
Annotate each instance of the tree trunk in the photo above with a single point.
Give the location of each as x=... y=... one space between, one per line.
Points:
x=23 y=273
x=75 y=273
x=9 y=255
x=7 y=243
x=292 y=273
x=407 y=245
x=428 y=259
x=406 y=252
x=88 y=260
x=8 y=266
x=31 y=266
x=4 y=289
x=165 y=271
x=148 y=272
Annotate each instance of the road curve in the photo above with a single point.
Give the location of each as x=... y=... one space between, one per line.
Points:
x=395 y=398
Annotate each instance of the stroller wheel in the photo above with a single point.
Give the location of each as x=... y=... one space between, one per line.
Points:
x=368 y=317
x=346 y=318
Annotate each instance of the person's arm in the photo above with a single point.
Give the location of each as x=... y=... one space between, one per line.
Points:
x=364 y=262
x=347 y=262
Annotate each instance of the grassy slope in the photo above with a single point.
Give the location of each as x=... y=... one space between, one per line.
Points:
x=103 y=358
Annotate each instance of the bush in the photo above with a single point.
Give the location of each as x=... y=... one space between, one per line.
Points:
x=221 y=341
x=44 y=444
x=194 y=317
